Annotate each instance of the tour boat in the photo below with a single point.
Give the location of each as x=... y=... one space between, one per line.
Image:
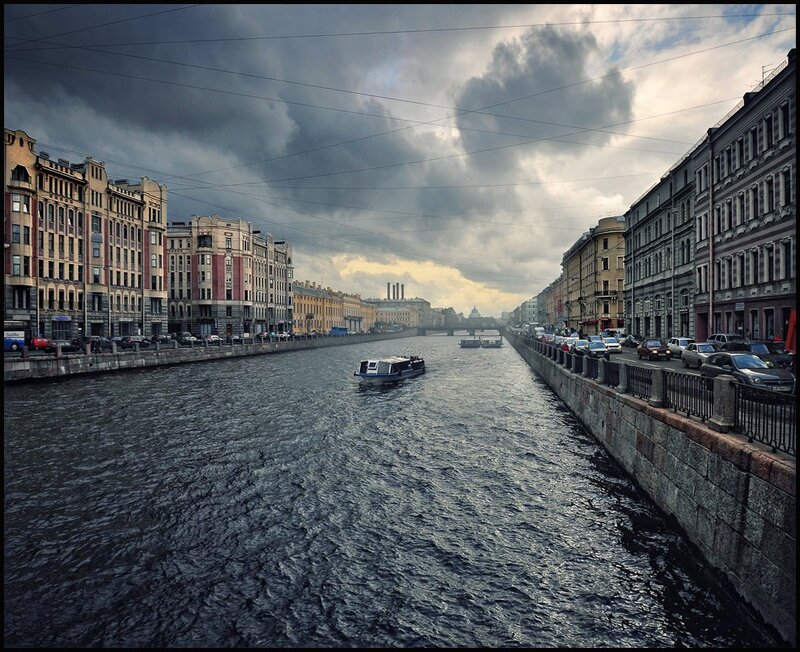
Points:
x=390 y=370
x=491 y=343
x=474 y=343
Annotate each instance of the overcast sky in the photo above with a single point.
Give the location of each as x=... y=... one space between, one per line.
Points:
x=458 y=149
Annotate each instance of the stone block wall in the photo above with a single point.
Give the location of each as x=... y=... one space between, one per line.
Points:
x=734 y=500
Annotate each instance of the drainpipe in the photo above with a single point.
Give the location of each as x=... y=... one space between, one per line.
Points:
x=672 y=248
x=711 y=232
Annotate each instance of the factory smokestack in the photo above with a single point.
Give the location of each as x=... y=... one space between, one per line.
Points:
x=402 y=291
x=388 y=291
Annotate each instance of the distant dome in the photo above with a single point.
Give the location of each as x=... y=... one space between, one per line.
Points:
x=474 y=314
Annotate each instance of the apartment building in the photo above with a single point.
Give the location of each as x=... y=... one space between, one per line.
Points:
x=593 y=278
x=227 y=279
x=745 y=213
x=319 y=309
x=83 y=254
x=659 y=257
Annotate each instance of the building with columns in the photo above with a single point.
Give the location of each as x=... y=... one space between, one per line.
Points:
x=84 y=254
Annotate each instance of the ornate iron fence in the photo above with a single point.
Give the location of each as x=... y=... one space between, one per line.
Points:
x=688 y=393
x=767 y=417
x=640 y=381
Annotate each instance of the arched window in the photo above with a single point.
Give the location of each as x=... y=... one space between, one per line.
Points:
x=20 y=173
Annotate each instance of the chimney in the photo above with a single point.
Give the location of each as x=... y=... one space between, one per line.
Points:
x=403 y=291
x=388 y=291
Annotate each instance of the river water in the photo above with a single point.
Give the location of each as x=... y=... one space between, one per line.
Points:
x=273 y=501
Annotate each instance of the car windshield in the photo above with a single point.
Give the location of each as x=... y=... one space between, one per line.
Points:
x=749 y=362
x=683 y=342
x=612 y=340
x=775 y=347
x=653 y=343
x=759 y=347
x=596 y=345
x=706 y=348
x=580 y=343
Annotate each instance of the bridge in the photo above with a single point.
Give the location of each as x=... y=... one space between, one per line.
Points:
x=450 y=330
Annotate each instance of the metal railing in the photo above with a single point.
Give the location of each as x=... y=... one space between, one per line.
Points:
x=688 y=394
x=640 y=381
x=591 y=367
x=577 y=364
x=612 y=374
x=767 y=417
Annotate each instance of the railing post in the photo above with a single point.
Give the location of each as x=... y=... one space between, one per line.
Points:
x=585 y=368
x=601 y=371
x=658 y=392
x=24 y=353
x=113 y=347
x=623 y=377
x=723 y=412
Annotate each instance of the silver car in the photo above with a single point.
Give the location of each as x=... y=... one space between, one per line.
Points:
x=696 y=353
x=678 y=344
x=612 y=344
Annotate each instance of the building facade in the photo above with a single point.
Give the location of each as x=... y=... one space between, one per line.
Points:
x=84 y=254
x=659 y=260
x=228 y=279
x=746 y=216
x=593 y=278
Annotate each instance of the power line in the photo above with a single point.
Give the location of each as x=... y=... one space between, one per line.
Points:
x=434 y=30
x=41 y=13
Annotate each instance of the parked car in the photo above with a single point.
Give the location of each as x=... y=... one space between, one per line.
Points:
x=697 y=353
x=773 y=353
x=130 y=341
x=67 y=346
x=613 y=344
x=723 y=338
x=653 y=349
x=213 y=339
x=678 y=344
x=156 y=339
x=597 y=350
x=39 y=343
x=748 y=369
x=579 y=347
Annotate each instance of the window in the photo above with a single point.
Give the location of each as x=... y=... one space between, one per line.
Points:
x=605 y=263
x=16 y=265
x=15 y=233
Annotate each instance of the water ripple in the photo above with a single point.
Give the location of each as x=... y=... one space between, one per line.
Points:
x=274 y=502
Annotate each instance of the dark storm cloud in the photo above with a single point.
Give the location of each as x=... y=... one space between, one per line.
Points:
x=546 y=67
x=292 y=145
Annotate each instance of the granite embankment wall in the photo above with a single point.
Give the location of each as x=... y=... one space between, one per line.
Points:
x=735 y=501
x=37 y=367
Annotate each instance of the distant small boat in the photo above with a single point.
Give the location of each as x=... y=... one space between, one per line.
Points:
x=390 y=370
x=491 y=343
x=473 y=343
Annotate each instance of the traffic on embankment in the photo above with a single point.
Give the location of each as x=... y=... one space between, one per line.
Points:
x=25 y=365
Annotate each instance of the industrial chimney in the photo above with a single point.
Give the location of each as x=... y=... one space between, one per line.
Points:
x=388 y=291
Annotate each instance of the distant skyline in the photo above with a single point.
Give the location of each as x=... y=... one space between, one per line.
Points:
x=457 y=149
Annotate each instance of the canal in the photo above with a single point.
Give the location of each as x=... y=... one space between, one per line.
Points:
x=272 y=501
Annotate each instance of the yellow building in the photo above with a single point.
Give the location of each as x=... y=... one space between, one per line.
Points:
x=85 y=254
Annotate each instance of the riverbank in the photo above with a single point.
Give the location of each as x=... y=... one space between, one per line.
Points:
x=735 y=499
x=32 y=368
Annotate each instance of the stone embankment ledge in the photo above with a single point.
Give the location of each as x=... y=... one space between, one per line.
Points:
x=37 y=367
x=735 y=500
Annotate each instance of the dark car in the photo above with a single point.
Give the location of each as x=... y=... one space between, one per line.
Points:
x=653 y=349
x=100 y=344
x=67 y=346
x=597 y=350
x=160 y=339
x=129 y=341
x=747 y=368
x=632 y=341
x=770 y=352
